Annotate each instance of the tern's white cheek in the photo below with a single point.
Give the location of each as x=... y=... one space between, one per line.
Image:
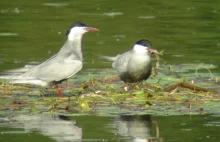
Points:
x=140 y=49
x=76 y=32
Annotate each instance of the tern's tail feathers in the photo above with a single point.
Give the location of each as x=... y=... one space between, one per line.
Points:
x=8 y=77
x=109 y=58
x=16 y=79
x=20 y=70
x=33 y=82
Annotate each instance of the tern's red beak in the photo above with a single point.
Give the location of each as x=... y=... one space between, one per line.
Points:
x=91 y=29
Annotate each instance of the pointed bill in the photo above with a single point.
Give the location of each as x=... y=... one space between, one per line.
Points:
x=91 y=29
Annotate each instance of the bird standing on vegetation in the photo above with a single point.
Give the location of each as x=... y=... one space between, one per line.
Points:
x=67 y=62
x=134 y=65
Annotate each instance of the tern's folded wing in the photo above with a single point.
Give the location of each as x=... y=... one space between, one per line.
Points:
x=55 y=71
x=122 y=61
x=59 y=71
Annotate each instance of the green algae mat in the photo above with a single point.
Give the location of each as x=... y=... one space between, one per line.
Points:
x=175 y=90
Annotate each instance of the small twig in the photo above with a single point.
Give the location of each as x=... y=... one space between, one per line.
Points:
x=196 y=72
x=185 y=85
x=157 y=129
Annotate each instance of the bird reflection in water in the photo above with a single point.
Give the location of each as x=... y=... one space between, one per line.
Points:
x=138 y=127
x=60 y=128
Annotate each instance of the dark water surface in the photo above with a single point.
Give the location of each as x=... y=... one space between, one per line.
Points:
x=187 y=31
x=33 y=31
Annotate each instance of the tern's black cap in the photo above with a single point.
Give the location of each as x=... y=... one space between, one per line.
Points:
x=77 y=24
x=144 y=42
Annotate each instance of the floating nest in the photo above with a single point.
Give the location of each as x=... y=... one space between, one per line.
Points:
x=171 y=92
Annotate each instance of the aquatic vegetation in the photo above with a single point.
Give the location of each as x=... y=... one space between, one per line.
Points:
x=172 y=92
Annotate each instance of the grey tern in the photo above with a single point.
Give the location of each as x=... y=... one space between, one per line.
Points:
x=63 y=65
x=134 y=65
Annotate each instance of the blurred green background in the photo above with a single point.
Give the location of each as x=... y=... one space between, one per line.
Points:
x=187 y=31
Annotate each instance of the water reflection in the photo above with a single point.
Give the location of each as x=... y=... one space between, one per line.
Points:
x=60 y=129
x=138 y=127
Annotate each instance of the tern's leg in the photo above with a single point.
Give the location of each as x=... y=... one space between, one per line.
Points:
x=126 y=87
x=59 y=92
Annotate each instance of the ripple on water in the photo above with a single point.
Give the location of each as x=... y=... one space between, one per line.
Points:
x=112 y=14
x=91 y=14
x=146 y=17
x=177 y=55
x=13 y=10
x=186 y=130
x=55 y=4
x=212 y=123
x=119 y=36
x=8 y=34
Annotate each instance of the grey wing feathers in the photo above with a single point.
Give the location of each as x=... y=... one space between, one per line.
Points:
x=20 y=70
x=109 y=58
x=60 y=71
x=34 y=69
x=55 y=69
x=122 y=61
